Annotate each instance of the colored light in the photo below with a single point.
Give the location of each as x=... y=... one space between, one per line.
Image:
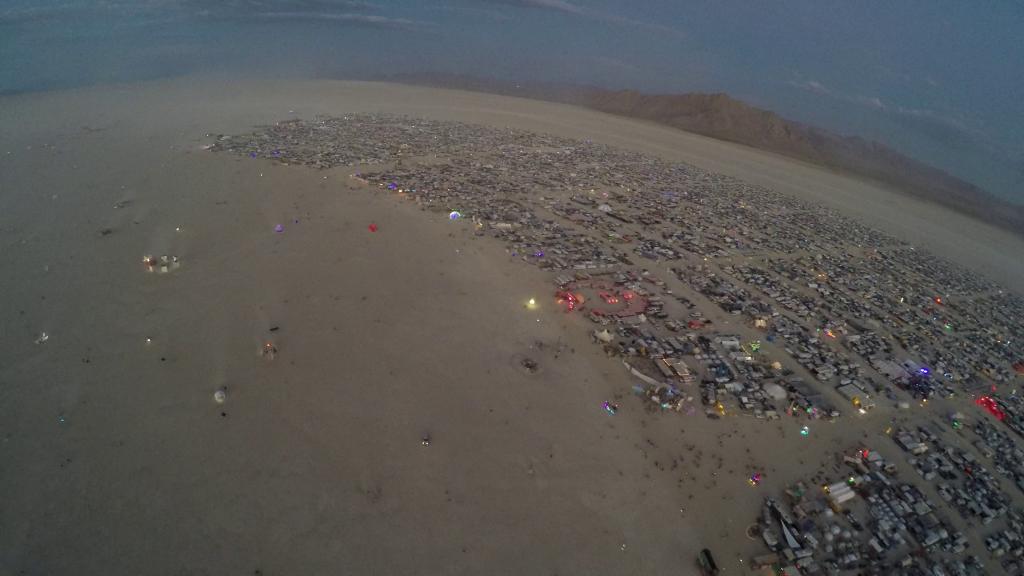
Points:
x=990 y=405
x=454 y=215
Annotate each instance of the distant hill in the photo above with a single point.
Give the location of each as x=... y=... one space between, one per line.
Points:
x=725 y=118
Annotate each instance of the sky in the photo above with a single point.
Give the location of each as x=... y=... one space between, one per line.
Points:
x=942 y=81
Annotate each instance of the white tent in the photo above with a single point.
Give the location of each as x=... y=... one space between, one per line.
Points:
x=604 y=335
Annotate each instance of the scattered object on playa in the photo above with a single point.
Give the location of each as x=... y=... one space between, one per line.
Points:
x=805 y=431
x=275 y=328
x=530 y=365
x=531 y=303
x=279 y=228
x=106 y=232
x=425 y=440
x=43 y=337
x=372 y=227
x=454 y=215
x=220 y=396
x=754 y=479
x=61 y=419
x=163 y=264
x=269 y=351
x=122 y=204
x=252 y=154
x=611 y=408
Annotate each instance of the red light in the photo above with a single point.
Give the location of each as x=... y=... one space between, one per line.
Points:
x=990 y=405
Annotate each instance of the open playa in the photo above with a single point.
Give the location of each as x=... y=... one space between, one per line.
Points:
x=116 y=459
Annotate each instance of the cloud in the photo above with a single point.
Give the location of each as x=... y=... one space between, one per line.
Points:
x=371 y=20
x=810 y=86
x=871 y=102
x=495 y=15
x=939 y=127
x=616 y=64
x=162 y=9
x=569 y=8
x=559 y=5
x=347 y=12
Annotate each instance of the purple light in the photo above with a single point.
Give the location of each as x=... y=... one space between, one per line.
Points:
x=279 y=228
x=923 y=371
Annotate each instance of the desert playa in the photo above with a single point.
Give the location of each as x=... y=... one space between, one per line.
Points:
x=374 y=415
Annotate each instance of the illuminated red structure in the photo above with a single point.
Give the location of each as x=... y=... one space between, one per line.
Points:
x=990 y=405
x=571 y=300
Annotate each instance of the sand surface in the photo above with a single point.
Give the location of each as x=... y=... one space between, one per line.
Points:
x=116 y=460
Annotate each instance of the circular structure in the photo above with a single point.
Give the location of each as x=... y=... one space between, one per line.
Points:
x=454 y=215
x=220 y=396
